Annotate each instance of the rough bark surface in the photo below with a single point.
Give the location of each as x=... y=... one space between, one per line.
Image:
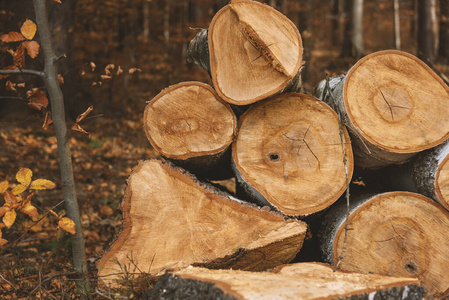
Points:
x=190 y=124
x=395 y=234
x=298 y=281
x=288 y=154
x=431 y=175
x=389 y=117
x=172 y=221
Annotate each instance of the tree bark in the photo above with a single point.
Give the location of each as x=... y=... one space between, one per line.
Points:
x=391 y=234
x=397 y=25
x=172 y=221
x=65 y=161
x=353 y=37
x=297 y=281
x=430 y=174
x=190 y=124
x=288 y=150
x=426 y=32
x=249 y=60
x=390 y=120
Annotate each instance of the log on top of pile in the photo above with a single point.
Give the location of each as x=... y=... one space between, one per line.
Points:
x=394 y=106
x=296 y=281
x=249 y=60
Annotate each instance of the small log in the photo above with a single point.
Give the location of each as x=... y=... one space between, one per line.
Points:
x=396 y=234
x=288 y=154
x=431 y=174
x=298 y=281
x=189 y=124
x=252 y=52
x=172 y=221
x=394 y=106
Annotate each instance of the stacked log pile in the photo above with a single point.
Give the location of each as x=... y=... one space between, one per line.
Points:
x=292 y=156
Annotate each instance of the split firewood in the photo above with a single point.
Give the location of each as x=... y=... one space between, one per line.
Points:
x=297 y=281
x=394 y=106
x=252 y=51
x=395 y=234
x=288 y=154
x=172 y=221
x=431 y=174
x=189 y=124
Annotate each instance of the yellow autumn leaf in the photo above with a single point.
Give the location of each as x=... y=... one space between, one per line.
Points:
x=2 y=240
x=3 y=186
x=20 y=188
x=30 y=210
x=67 y=224
x=3 y=210
x=24 y=176
x=28 y=29
x=9 y=218
x=42 y=184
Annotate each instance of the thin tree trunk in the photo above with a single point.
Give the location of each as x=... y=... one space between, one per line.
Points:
x=397 y=26
x=444 y=30
x=65 y=161
x=357 y=29
x=426 y=34
x=167 y=22
x=146 y=21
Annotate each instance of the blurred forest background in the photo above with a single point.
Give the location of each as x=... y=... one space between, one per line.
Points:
x=153 y=36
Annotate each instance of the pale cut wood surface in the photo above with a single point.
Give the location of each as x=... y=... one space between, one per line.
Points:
x=188 y=120
x=254 y=51
x=397 y=234
x=172 y=221
x=288 y=149
x=397 y=102
x=298 y=281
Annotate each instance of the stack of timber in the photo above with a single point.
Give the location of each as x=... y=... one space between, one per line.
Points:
x=292 y=157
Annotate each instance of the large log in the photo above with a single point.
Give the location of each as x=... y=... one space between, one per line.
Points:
x=288 y=154
x=252 y=52
x=297 y=281
x=189 y=124
x=431 y=174
x=396 y=234
x=172 y=221
x=394 y=106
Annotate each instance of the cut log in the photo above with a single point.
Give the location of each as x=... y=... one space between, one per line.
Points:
x=431 y=174
x=253 y=52
x=190 y=124
x=300 y=281
x=395 y=234
x=288 y=154
x=394 y=106
x=172 y=221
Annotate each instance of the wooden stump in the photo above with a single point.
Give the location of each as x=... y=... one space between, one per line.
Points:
x=255 y=51
x=394 y=106
x=431 y=174
x=298 y=281
x=190 y=124
x=172 y=221
x=288 y=154
x=395 y=234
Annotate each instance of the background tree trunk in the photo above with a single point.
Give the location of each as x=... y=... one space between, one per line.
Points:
x=353 y=29
x=426 y=32
x=444 y=30
x=397 y=25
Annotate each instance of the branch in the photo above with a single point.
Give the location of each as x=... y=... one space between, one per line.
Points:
x=23 y=72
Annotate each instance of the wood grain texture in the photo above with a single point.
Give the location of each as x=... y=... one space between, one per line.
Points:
x=172 y=221
x=395 y=234
x=288 y=154
x=249 y=60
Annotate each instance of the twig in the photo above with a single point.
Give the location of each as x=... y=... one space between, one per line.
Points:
x=23 y=72
x=49 y=278
x=340 y=126
x=8 y=282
